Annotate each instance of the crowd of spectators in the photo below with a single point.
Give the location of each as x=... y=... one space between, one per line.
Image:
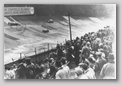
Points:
x=86 y=57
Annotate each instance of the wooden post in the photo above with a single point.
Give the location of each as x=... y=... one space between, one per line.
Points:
x=48 y=46
x=44 y=49
x=20 y=55
x=35 y=50
x=70 y=27
x=57 y=42
x=12 y=59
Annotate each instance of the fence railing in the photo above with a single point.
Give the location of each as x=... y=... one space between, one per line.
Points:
x=37 y=55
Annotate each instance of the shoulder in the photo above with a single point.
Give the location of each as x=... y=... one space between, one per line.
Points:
x=105 y=65
x=59 y=72
x=83 y=77
x=67 y=67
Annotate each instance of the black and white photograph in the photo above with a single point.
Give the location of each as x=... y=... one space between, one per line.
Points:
x=59 y=41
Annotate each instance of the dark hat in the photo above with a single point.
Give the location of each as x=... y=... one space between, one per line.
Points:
x=58 y=64
x=27 y=61
x=84 y=66
x=21 y=60
x=91 y=60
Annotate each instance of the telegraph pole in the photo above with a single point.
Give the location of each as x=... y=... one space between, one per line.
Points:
x=70 y=27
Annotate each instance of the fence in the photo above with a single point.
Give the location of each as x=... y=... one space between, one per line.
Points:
x=36 y=57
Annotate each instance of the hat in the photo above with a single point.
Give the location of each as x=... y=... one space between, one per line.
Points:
x=98 y=54
x=91 y=55
x=78 y=71
x=110 y=56
x=100 y=50
x=91 y=60
x=88 y=43
x=80 y=64
x=58 y=64
x=84 y=66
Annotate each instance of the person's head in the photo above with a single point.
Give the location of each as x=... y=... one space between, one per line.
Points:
x=88 y=44
x=105 y=47
x=84 y=66
x=58 y=64
x=14 y=66
x=63 y=61
x=86 y=62
x=91 y=62
x=101 y=45
x=28 y=61
x=51 y=61
x=99 y=54
x=79 y=71
x=20 y=61
x=58 y=46
x=111 y=57
x=7 y=68
x=46 y=62
x=39 y=76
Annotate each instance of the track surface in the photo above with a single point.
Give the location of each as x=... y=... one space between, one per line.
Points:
x=24 y=39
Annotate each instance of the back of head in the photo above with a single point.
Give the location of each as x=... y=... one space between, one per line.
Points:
x=7 y=68
x=58 y=64
x=84 y=66
x=88 y=44
x=99 y=54
x=63 y=61
x=111 y=56
x=28 y=61
x=58 y=46
x=46 y=61
x=20 y=61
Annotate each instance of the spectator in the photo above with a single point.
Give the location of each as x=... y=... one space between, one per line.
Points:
x=76 y=53
x=86 y=50
x=91 y=51
x=59 y=52
x=30 y=69
x=53 y=69
x=21 y=70
x=9 y=74
x=63 y=70
x=84 y=67
x=70 y=54
x=99 y=64
x=108 y=70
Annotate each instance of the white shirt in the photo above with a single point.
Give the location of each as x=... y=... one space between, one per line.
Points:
x=63 y=73
x=9 y=74
x=108 y=71
x=89 y=74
